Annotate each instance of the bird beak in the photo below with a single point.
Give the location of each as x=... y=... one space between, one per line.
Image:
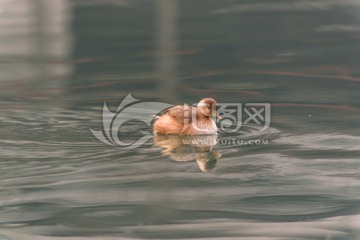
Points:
x=217 y=116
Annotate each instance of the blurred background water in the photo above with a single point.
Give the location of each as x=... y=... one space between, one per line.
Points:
x=60 y=60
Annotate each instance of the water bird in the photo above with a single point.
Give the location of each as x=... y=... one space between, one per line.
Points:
x=188 y=120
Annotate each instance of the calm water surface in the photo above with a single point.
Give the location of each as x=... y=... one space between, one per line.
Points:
x=61 y=60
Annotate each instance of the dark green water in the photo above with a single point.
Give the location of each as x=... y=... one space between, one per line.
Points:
x=61 y=60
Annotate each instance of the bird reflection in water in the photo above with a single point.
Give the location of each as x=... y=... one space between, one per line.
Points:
x=189 y=148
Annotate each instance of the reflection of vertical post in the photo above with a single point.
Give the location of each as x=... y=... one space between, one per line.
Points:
x=166 y=67
x=40 y=41
x=166 y=40
x=42 y=34
x=52 y=42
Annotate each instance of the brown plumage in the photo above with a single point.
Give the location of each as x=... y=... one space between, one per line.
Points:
x=187 y=120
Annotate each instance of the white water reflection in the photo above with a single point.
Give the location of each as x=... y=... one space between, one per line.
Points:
x=334 y=228
x=304 y=5
x=339 y=28
x=121 y=3
x=323 y=141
